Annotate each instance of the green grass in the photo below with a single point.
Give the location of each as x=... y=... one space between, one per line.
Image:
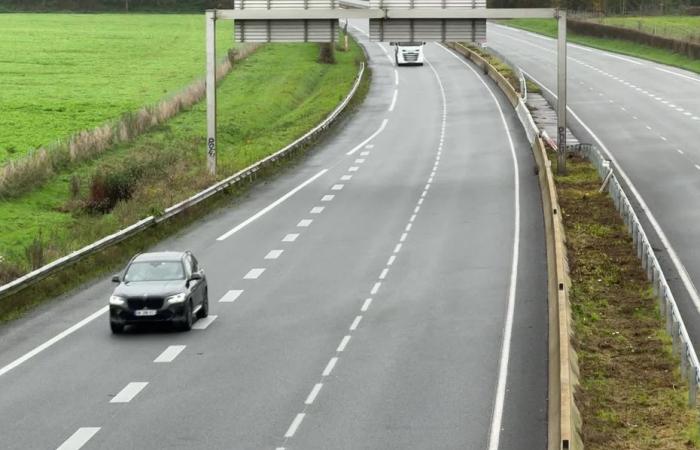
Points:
x=548 y=27
x=631 y=395
x=61 y=73
x=269 y=99
x=685 y=28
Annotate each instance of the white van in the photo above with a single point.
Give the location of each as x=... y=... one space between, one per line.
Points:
x=408 y=53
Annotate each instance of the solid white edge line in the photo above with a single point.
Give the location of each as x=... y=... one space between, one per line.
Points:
x=129 y=392
x=372 y=136
x=169 y=354
x=393 y=100
x=680 y=268
x=295 y=424
x=697 y=80
x=269 y=207
x=314 y=392
x=396 y=77
x=40 y=348
x=497 y=417
x=79 y=438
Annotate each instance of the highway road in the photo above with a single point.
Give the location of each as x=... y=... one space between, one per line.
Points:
x=646 y=116
x=393 y=296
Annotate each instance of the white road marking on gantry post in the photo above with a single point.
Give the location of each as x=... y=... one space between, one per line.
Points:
x=254 y=274
x=79 y=438
x=274 y=254
x=169 y=354
x=269 y=207
x=129 y=392
x=203 y=324
x=231 y=296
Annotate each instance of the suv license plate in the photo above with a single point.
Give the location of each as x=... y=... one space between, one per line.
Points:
x=145 y=312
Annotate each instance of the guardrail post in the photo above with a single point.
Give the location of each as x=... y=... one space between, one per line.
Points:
x=684 y=360
x=669 y=320
x=693 y=386
x=210 y=18
x=662 y=300
x=676 y=336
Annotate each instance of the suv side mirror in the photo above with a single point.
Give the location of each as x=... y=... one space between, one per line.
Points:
x=116 y=279
x=195 y=276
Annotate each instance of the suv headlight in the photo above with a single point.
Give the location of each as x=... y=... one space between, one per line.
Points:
x=116 y=300
x=177 y=298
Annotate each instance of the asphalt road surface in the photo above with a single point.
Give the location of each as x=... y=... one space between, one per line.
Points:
x=396 y=299
x=646 y=116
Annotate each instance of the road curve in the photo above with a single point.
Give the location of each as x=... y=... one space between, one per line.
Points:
x=386 y=286
x=647 y=117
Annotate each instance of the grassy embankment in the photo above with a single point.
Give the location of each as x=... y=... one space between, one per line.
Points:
x=685 y=28
x=548 y=27
x=632 y=395
x=269 y=99
x=62 y=73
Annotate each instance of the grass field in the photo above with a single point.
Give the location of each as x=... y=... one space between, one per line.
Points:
x=686 y=28
x=269 y=99
x=61 y=73
x=548 y=27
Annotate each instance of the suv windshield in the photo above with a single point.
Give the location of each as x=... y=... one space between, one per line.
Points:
x=154 y=271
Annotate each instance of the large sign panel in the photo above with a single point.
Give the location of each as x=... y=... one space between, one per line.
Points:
x=421 y=29
x=289 y=30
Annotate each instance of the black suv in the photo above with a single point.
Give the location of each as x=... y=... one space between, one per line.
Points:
x=159 y=287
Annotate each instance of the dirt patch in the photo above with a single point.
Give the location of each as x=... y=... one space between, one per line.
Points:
x=632 y=395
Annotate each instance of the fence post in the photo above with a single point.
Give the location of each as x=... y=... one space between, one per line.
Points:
x=684 y=360
x=693 y=386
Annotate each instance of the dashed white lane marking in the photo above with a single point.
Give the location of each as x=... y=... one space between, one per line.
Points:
x=369 y=146
x=327 y=198
x=396 y=77
x=346 y=178
x=353 y=169
x=413 y=217
x=274 y=254
x=40 y=348
x=416 y=209
x=648 y=127
x=359 y=160
x=79 y=438
x=384 y=273
x=356 y=322
x=364 y=153
x=291 y=237
x=697 y=166
x=663 y=138
x=391 y=260
x=314 y=392
x=397 y=248
x=169 y=354
x=393 y=100
x=269 y=207
x=375 y=288
x=254 y=274
x=231 y=296
x=403 y=237
x=203 y=324
x=680 y=151
x=372 y=136
x=343 y=344
x=305 y=223
x=329 y=367
x=317 y=209
x=130 y=391
x=409 y=226
x=337 y=187
x=295 y=424
x=365 y=305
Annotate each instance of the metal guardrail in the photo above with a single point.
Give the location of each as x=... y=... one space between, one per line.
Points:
x=682 y=345
x=39 y=274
